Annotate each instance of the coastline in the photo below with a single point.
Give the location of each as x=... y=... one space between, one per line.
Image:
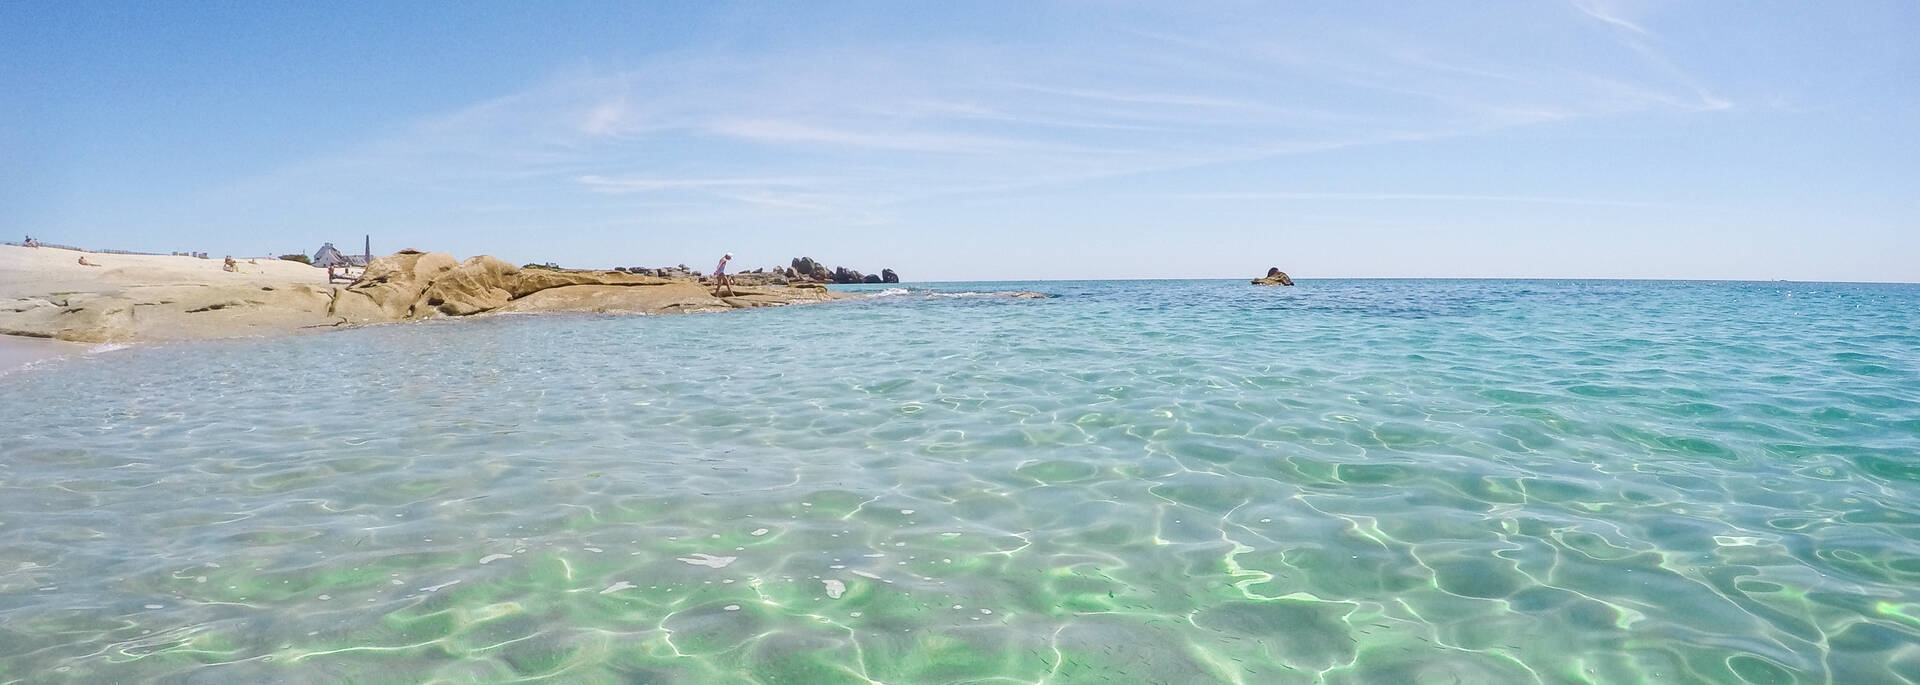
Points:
x=18 y=352
x=47 y=293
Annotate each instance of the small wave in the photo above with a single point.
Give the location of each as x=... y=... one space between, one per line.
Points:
x=936 y=294
x=39 y=352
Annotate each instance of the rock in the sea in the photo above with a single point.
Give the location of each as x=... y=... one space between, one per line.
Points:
x=1274 y=277
x=888 y=276
x=845 y=275
x=872 y=278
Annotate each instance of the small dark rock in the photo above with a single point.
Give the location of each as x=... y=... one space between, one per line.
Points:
x=888 y=276
x=1274 y=277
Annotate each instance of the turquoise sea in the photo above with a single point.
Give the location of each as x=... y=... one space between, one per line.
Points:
x=1346 y=481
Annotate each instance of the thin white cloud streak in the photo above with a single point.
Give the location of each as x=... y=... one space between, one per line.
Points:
x=619 y=185
x=848 y=133
x=1138 y=98
x=1413 y=197
x=1601 y=11
x=906 y=140
x=1637 y=39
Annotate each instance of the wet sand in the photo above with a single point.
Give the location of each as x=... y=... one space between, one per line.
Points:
x=19 y=351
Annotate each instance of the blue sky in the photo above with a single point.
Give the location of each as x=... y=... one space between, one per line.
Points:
x=1589 y=138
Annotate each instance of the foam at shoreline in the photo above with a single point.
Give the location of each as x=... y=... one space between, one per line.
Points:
x=20 y=352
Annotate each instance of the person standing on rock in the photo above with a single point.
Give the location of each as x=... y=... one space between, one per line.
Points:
x=720 y=278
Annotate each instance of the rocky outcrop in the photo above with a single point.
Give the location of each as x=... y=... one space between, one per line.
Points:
x=484 y=284
x=400 y=287
x=805 y=267
x=1274 y=277
x=168 y=312
x=390 y=286
x=475 y=286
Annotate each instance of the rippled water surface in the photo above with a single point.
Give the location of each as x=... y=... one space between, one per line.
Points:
x=1182 y=482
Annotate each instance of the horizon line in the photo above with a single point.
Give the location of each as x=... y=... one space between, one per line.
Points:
x=1405 y=278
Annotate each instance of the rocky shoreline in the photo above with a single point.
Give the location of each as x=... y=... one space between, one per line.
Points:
x=801 y=271
x=406 y=286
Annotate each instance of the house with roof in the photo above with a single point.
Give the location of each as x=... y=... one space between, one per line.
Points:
x=328 y=255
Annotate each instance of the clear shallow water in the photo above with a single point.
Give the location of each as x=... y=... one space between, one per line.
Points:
x=1344 y=481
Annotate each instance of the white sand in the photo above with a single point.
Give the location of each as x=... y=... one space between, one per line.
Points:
x=28 y=272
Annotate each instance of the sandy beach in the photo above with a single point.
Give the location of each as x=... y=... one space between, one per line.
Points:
x=26 y=272
x=48 y=293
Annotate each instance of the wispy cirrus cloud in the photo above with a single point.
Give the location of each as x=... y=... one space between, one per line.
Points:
x=902 y=139
x=1413 y=197
x=1606 y=12
x=1615 y=14
x=847 y=132
x=632 y=184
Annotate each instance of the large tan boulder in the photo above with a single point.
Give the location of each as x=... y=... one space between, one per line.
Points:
x=412 y=285
x=476 y=285
x=391 y=286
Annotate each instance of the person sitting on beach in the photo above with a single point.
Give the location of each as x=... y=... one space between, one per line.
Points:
x=231 y=265
x=31 y=242
x=720 y=276
x=84 y=262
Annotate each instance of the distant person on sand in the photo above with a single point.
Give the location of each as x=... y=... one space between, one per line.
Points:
x=231 y=265
x=720 y=276
x=31 y=242
x=84 y=262
x=344 y=274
